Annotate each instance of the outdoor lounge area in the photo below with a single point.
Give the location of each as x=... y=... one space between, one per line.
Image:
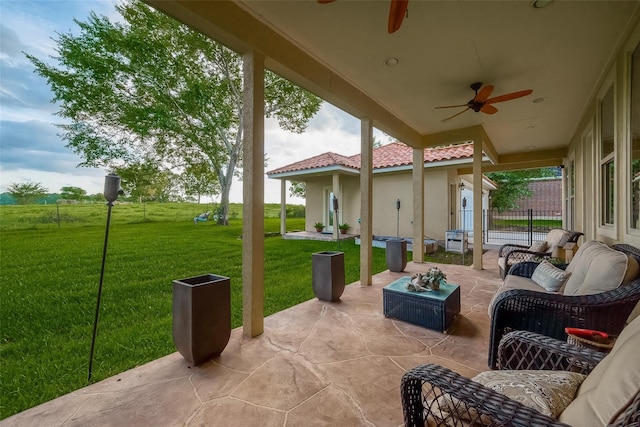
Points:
x=318 y=363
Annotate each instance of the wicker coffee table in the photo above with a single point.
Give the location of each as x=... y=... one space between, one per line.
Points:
x=434 y=310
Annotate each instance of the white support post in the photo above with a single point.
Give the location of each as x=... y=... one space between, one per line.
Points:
x=366 y=202
x=418 y=205
x=283 y=207
x=477 y=203
x=253 y=196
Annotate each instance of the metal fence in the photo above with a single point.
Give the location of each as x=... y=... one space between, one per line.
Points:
x=520 y=227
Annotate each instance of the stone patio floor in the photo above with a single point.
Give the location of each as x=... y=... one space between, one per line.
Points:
x=317 y=364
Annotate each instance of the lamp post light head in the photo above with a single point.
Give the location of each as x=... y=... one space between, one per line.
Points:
x=111 y=187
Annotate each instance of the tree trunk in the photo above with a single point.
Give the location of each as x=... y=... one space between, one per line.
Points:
x=223 y=219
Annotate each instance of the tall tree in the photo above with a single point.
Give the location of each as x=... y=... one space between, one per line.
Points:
x=146 y=181
x=298 y=189
x=514 y=185
x=72 y=193
x=152 y=87
x=27 y=192
x=200 y=180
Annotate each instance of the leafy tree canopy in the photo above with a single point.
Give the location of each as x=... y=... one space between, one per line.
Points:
x=150 y=88
x=514 y=186
x=72 y=193
x=27 y=192
x=298 y=189
x=145 y=181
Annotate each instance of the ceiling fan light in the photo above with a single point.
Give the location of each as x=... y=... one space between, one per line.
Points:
x=391 y=62
x=539 y=4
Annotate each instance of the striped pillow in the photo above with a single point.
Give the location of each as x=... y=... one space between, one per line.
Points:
x=549 y=276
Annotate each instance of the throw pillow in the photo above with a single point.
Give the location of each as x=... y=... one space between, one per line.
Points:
x=549 y=276
x=538 y=246
x=548 y=392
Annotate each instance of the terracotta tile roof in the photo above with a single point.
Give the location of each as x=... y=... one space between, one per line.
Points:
x=390 y=155
x=320 y=161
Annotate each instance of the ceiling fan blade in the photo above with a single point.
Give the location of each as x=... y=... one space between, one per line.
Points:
x=325 y=1
x=455 y=115
x=452 y=106
x=484 y=93
x=509 y=96
x=397 y=12
x=489 y=109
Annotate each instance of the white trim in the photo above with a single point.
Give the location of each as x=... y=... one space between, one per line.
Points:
x=606 y=229
x=314 y=171
x=326 y=169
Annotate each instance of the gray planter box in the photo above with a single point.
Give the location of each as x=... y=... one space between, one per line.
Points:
x=396 y=254
x=328 y=275
x=201 y=316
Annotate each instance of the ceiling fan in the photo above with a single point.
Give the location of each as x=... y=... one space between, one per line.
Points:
x=482 y=102
x=397 y=13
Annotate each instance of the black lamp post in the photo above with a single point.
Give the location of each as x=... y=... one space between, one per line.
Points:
x=336 y=221
x=111 y=192
x=398 y=218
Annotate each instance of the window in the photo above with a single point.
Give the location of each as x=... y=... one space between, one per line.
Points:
x=634 y=154
x=570 y=194
x=607 y=159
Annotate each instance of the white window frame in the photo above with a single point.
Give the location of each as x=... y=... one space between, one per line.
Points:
x=603 y=228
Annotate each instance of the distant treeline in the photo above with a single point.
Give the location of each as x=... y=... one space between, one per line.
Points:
x=7 y=199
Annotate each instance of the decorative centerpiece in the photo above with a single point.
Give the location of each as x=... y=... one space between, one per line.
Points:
x=430 y=281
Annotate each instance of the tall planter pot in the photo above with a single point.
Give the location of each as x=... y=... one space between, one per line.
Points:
x=328 y=275
x=396 y=254
x=201 y=316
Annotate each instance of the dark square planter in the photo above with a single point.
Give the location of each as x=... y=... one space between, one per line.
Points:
x=201 y=316
x=328 y=275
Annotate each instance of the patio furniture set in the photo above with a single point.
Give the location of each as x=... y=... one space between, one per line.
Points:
x=542 y=378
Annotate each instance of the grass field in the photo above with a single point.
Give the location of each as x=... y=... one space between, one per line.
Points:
x=50 y=276
x=19 y=217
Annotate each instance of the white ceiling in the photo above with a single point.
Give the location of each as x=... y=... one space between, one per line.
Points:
x=561 y=52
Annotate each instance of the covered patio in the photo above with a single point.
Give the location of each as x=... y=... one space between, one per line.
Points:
x=317 y=363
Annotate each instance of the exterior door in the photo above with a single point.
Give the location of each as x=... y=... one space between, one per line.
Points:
x=328 y=209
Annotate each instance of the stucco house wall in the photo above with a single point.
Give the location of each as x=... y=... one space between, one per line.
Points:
x=387 y=189
x=391 y=181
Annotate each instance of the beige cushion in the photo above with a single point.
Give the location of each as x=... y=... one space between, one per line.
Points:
x=611 y=385
x=548 y=392
x=549 y=276
x=595 y=268
x=539 y=246
x=515 y=282
x=555 y=236
x=633 y=270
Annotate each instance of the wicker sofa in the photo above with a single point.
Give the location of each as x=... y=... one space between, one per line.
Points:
x=601 y=292
x=609 y=395
x=511 y=254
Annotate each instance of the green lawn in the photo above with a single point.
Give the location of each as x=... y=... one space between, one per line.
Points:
x=50 y=275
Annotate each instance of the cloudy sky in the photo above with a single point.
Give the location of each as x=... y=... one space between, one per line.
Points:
x=31 y=151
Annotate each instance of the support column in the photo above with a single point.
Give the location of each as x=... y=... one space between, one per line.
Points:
x=477 y=203
x=336 y=193
x=253 y=195
x=418 y=205
x=366 y=202
x=283 y=207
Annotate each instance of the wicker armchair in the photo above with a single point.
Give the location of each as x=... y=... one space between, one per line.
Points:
x=549 y=314
x=511 y=254
x=423 y=386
